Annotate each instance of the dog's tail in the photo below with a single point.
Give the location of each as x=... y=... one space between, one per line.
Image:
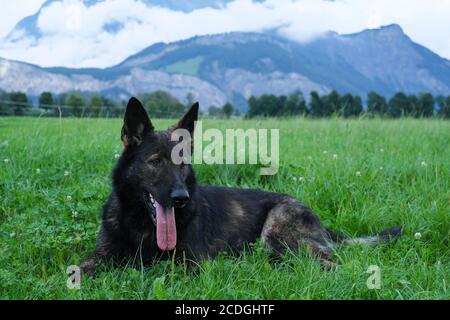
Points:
x=383 y=236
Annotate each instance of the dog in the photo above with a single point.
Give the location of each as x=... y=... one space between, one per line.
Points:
x=156 y=209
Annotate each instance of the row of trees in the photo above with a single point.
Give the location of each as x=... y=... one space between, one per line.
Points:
x=295 y=104
x=162 y=104
x=348 y=105
x=159 y=104
x=14 y=103
x=275 y=106
x=70 y=104
x=226 y=111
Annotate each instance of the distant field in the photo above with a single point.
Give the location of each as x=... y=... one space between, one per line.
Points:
x=55 y=176
x=189 y=67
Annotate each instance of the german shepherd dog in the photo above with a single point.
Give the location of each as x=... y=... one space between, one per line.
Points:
x=157 y=211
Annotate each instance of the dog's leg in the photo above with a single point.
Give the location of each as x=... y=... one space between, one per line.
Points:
x=105 y=249
x=88 y=267
x=290 y=224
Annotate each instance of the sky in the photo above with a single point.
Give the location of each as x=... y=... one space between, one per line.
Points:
x=74 y=35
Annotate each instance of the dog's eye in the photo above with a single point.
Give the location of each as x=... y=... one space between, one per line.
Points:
x=154 y=161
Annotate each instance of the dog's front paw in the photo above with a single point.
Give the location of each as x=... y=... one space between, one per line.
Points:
x=88 y=268
x=328 y=265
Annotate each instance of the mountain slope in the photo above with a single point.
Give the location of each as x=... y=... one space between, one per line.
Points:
x=234 y=66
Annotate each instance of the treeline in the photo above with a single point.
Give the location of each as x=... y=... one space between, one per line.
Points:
x=65 y=105
x=226 y=111
x=76 y=104
x=347 y=105
x=161 y=104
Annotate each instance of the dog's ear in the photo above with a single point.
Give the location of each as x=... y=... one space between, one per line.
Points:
x=188 y=120
x=136 y=123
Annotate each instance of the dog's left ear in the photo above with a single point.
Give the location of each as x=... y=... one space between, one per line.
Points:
x=136 y=123
x=188 y=120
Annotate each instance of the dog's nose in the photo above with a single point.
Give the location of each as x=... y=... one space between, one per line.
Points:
x=179 y=197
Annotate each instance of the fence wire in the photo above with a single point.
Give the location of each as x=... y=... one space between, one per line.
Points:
x=63 y=110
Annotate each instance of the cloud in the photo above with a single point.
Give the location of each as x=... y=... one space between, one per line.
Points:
x=75 y=35
x=13 y=11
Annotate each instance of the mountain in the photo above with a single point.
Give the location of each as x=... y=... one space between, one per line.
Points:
x=234 y=66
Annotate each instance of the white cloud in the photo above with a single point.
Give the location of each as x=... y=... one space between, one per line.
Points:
x=13 y=11
x=74 y=34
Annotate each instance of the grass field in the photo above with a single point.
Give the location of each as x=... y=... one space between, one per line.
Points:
x=55 y=176
x=189 y=67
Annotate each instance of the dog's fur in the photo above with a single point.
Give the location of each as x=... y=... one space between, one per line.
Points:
x=214 y=219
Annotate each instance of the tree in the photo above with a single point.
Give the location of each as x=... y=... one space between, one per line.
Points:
x=96 y=106
x=331 y=103
x=440 y=101
x=20 y=103
x=253 y=106
x=376 y=104
x=214 y=112
x=347 y=103
x=446 y=111
x=227 y=110
x=113 y=108
x=413 y=106
x=398 y=105
x=316 y=105
x=162 y=104
x=5 y=107
x=357 y=107
x=280 y=106
x=295 y=105
x=75 y=103
x=426 y=105
x=47 y=102
x=443 y=106
x=269 y=105
x=350 y=105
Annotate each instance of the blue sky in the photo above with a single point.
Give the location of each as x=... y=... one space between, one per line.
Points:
x=76 y=35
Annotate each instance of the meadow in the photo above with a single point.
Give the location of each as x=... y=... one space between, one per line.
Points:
x=359 y=176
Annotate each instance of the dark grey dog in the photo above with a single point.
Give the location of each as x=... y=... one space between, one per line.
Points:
x=156 y=207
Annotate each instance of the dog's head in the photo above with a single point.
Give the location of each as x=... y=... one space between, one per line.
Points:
x=149 y=174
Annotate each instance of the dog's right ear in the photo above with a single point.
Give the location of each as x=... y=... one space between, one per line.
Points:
x=136 y=124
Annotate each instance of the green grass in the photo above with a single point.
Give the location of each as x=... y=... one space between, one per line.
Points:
x=404 y=167
x=189 y=67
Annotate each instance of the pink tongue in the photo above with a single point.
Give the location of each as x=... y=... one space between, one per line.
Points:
x=166 y=231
